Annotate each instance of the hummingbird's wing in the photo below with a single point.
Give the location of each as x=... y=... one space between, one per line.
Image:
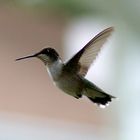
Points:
x=86 y=56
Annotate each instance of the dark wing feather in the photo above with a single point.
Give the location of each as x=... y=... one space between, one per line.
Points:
x=86 y=56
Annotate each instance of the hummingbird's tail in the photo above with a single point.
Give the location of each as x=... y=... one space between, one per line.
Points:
x=97 y=96
x=102 y=101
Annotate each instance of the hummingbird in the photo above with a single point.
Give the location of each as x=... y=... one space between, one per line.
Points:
x=70 y=76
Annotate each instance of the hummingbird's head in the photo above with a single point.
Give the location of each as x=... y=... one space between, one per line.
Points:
x=46 y=55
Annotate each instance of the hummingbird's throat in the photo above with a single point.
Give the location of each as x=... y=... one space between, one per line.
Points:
x=43 y=58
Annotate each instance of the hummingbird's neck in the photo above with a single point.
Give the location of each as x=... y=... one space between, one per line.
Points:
x=55 y=69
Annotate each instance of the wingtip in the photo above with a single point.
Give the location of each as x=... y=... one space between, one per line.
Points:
x=110 y=29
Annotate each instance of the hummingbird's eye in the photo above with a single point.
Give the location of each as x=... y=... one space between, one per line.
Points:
x=44 y=51
x=47 y=50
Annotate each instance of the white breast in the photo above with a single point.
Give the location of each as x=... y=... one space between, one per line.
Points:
x=55 y=69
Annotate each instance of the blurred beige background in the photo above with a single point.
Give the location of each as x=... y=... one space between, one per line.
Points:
x=31 y=107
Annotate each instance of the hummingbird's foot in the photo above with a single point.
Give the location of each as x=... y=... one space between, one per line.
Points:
x=78 y=96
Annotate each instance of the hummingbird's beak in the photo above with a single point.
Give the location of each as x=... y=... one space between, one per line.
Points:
x=30 y=56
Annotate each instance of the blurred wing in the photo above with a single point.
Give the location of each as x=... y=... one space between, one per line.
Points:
x=85 y=57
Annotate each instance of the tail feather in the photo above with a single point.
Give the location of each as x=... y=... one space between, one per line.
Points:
x=101 y=101
x=96 y=95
